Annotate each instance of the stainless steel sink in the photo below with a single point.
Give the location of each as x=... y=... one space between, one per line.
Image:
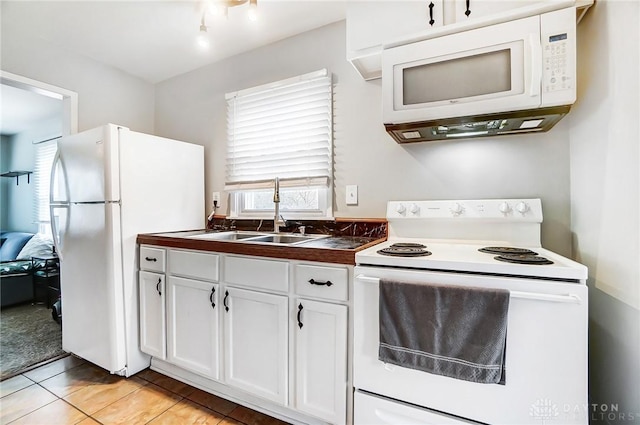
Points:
x=282 y=239
x=227 y=236
x=256 y=237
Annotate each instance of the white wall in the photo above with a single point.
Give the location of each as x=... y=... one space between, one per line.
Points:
x=192 y=107
x=17 y=207
x=105 y=94
x=605 y=195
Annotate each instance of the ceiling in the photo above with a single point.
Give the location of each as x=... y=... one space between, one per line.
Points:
x=155 y=39
x=150 y=39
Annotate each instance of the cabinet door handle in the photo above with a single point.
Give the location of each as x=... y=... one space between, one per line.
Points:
x=431 y=21
x=151 y=259
x=315 y=282
x=299 y=315
x=224 y=302
x=213 y=292
x=468 y=11
x=158 y=286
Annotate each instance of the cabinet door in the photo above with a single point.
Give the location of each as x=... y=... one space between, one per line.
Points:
x=152 y=314
x=255 y=341
x=193 y=325
x=321 y=360
x=472 y=9
x=370 y=24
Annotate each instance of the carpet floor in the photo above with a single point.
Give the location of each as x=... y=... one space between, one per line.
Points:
x=28 y=335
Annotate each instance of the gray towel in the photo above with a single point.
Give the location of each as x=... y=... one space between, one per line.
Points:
x=453 y=331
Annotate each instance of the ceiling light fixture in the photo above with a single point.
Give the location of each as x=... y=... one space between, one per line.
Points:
x=203 y=36
x=221 y=7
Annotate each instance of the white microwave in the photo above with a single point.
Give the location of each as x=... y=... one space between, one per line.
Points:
x=506 y=78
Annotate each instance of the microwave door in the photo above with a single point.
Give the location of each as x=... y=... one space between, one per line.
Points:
x=490 y=69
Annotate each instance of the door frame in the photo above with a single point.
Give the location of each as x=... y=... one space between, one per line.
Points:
x=69 y=98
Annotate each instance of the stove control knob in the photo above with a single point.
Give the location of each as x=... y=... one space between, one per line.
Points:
x=414 y=209
x=504 y=208
x=400 y=209
x=457 y=209
x=522 y=207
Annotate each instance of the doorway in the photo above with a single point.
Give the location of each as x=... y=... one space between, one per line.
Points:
x=33 y=115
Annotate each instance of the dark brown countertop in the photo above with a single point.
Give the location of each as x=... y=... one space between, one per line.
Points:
x=331 y=249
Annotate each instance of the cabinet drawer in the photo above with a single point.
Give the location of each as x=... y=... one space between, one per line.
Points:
x=198 y=265
x=322 y=282
x=255 y=273
x=152 y=259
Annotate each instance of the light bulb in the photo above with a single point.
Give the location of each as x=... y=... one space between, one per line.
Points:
x=253 y=10
x=203 y=38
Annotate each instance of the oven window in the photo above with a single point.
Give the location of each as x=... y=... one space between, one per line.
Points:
x=476 y=75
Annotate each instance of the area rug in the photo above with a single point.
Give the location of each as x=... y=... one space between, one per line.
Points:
x=28 y=335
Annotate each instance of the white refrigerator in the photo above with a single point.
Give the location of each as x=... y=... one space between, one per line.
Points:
x=108 y=185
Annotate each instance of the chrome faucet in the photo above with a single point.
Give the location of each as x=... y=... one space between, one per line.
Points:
x=277 y=218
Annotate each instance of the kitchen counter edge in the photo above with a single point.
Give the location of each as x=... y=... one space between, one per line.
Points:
x=298 y=252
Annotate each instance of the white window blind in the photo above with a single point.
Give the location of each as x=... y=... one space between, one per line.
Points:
x=284 y=130
x=45 y=153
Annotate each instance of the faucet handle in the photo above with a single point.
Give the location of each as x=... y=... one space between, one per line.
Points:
x=276 y=190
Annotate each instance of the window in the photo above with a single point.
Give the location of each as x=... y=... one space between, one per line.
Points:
x=45 y=153
x=283 y=130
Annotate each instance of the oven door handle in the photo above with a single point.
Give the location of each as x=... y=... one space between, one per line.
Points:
x=564 y=298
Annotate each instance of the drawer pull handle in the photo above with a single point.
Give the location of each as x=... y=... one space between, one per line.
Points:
x=431 y=20
x=151 y=259
x=299 y=314
x=158 y=286
x=213 y=292
x=224 y=302
x=315 y=282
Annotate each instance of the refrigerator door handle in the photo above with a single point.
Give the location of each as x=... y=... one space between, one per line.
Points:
x=55 y=230
x=57 y=204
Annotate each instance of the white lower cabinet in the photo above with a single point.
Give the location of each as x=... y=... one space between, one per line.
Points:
x=193 y=335
x=321 y=359
x=255 y=339
x=269 y=331
x=152 y=314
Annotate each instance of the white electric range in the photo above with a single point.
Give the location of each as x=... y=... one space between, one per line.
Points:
x=442 y=242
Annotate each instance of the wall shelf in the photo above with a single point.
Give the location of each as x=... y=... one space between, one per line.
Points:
x=17 y=175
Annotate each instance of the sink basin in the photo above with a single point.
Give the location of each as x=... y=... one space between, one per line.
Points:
x=257 y=237
x=226 y=236
x=282 y=239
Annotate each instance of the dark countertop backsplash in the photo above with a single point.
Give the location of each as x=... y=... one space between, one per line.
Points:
x=341 y=227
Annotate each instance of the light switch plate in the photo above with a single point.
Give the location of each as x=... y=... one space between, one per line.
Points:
x=352 y=194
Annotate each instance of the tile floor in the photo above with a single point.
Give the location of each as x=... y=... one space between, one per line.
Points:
x=72 y=391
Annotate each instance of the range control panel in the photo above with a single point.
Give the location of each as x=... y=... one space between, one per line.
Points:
x=529 y=210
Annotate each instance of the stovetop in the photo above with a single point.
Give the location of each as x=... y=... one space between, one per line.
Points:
x=455 y=231
x=465 y=256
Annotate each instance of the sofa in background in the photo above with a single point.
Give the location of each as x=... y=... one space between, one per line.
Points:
x=16 y=250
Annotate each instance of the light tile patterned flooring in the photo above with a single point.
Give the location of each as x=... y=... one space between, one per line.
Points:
x=71 y=391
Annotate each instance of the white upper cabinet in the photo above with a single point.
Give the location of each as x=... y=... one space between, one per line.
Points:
x=474 y=9
x=370 y=24
x=374 y=25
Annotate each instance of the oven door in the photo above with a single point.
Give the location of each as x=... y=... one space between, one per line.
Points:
x=546 y=354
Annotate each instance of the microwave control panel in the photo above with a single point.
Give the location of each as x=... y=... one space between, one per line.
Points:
x=555 y=58
x=558 y=42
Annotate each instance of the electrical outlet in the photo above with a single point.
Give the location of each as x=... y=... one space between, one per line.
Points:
x=216 y=197
x=352 y=194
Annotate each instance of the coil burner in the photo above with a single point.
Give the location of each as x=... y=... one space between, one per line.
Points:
x=523 y=259
x=403 y=249
x=507 y=250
